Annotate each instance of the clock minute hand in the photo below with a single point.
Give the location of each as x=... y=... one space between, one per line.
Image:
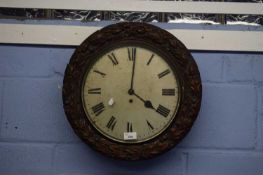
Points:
x=133 y=68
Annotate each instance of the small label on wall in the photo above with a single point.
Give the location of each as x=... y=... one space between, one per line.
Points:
x=130 y=135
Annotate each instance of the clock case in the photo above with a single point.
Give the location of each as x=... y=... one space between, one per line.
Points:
x=133 y=34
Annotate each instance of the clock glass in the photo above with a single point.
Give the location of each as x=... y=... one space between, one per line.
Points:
x=130 y=93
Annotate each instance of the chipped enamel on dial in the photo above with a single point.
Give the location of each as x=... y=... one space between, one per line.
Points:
x=113 y=111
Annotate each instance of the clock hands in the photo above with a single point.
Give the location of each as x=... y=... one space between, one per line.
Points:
x=147 y=103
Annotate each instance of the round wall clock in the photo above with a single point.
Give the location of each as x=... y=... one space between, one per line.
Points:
x=131 y=91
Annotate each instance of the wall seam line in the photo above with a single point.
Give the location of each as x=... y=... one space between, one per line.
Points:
x=2 y=108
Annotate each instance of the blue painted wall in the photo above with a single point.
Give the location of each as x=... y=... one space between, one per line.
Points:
x=35 y=137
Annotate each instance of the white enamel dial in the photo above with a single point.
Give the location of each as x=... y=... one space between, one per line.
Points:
x=130 y=94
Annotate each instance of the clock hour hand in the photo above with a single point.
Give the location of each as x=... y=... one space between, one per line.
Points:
x=147 y=103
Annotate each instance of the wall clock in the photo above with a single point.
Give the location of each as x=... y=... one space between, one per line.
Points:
x=131 y=91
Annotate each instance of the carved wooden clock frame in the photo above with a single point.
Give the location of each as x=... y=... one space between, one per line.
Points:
x=175 y=53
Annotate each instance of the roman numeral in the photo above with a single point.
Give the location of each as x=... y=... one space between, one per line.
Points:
x=112 y=122
x=163 y=110
x=94 y=91
x=149 y=125
x=132 y=53
x=113 y=59
x=162 y=74
x=129 y=127
x=168 y=92
x=98 y=109
x=98 y=72
x=150 y=60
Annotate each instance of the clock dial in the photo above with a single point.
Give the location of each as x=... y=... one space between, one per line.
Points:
x=130 y=89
